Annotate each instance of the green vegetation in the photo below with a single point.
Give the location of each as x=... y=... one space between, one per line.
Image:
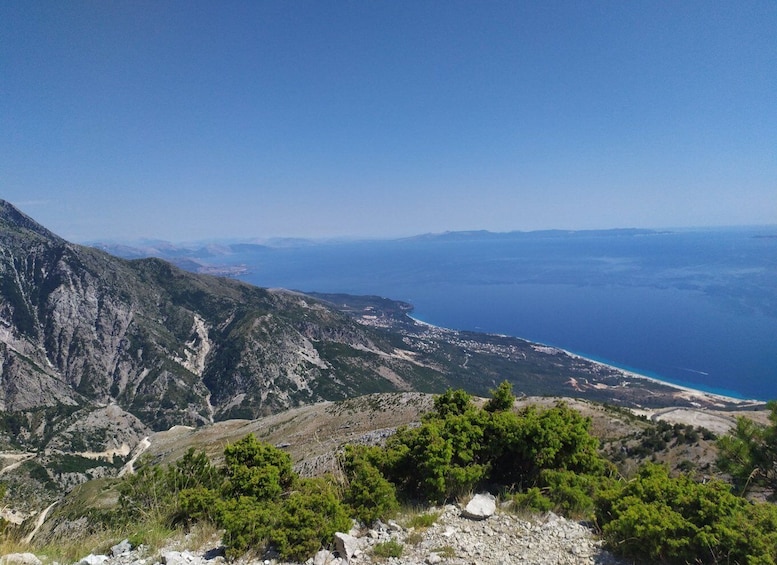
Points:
x=424 y=520
x=459 y=448
x=386 y=549
x=749 y=453
x=445 y=551
x=663 y=435
x=256 y=498
x=369 y=495
x=655 y=517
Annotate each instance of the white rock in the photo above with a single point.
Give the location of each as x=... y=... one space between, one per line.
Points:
x=179 y=558
x=432 y=559
x=323 y=557
x=480 y=507
x=354 y=531
x=121 y=548
x=346 y=545
x=93 y=560
x=20 y=559
x=394 y=527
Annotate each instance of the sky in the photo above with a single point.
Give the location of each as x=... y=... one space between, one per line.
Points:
x=189 y=120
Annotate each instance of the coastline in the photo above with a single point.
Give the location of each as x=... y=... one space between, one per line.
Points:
x=687 y=392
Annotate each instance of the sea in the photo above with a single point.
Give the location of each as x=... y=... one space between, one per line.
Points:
x=691 y=307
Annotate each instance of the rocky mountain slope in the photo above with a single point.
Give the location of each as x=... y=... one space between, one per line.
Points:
x=80 y=328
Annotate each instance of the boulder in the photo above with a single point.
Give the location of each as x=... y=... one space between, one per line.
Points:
x=346 y=545
x=121 y=548
x=20 y=559
x=323 y=557
x=480 y=507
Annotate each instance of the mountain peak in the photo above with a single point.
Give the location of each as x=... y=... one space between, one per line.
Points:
x=13 y=219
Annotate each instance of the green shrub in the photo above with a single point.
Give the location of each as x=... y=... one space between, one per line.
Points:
x=155 y=492
x=501 y=399
x=459 y=447
x=749 y=453
x=261 y=502
x=246 y=524
x=369 y=495
x=676 y=520
x=308 y=519
x=572 y=494
x=144 y=495
x=199 y=503
x=256 y=469
x=532 y=499
x=193 y=470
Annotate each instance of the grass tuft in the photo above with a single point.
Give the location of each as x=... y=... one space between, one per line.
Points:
x=386 y=549
x=425 y=520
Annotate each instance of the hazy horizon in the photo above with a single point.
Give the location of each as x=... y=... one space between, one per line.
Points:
x=356 y=238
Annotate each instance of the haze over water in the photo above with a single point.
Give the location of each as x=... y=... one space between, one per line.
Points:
x=696 y=307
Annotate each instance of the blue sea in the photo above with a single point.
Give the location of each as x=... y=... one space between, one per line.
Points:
x=692 y=307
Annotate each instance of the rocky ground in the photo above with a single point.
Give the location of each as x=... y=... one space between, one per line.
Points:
x=455 y=538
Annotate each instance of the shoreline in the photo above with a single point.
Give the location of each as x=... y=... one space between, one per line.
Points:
x=693 y=392
x=626 y=373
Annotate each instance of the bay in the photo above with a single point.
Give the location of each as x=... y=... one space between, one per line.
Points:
x=696 y=308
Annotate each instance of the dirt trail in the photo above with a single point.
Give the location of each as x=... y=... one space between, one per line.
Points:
x=140 y=449
x=39 y=522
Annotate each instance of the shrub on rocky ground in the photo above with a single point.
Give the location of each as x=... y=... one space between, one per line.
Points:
x=677 y=520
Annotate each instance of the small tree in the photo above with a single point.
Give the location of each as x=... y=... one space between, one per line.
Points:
x=501 y=399
x=367 y=493
x=749 y=453
x=256 y=469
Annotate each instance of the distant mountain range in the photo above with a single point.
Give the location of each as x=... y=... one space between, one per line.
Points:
x=173 y=251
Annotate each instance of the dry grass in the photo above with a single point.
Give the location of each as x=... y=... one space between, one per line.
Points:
x=153 y=537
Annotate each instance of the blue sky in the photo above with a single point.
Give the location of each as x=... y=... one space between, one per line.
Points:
x=197 y=120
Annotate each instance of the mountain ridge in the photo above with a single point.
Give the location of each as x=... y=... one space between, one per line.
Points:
x=126 y=331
